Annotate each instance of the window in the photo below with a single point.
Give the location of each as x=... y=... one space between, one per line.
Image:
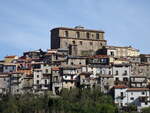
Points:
x=45 y=82
x=146 y=103
x=112 y=53
x=46 y=70
x=37 y=71
x=37 y=82
x=88 y=35
x=13 y=67
x=6 y=67
x=66 y=43
x=109 y=72
x=97 y=36
x=125 y=79
x=133 y=79
x=143 y=93
x=92 y=35
x=66 y=34
x=73 y=42
x=80 y=42
x=91 y=43
x=117 y=79
x=77 y=34
x=71 y=63
x=121 y=95
x=101 y=44
x=132 y=98
x=37 y=76
x=116 y=72
x=125 y=72
x=103 y=60
x=101 y=72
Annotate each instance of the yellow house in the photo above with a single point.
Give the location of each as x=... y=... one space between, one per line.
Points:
x=9 y=59
x=121 y=61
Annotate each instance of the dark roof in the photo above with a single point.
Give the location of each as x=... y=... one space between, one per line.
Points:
x=145 y=55
x=76 y=29
x=85 y=73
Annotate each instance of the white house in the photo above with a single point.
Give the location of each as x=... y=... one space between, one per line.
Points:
x=4 y=83
x=41 y=78
x=16 y=82
x=69 y=75
x=121 y=73
x=138 y=96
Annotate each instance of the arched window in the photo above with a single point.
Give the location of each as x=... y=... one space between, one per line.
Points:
x=77 y=34
x=80 y=42
x=97 y=35
x=66 y=34
x=73 y=42
x=116 y=72
x=88 y=35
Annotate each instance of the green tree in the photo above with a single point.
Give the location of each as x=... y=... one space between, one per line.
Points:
x=146 y=110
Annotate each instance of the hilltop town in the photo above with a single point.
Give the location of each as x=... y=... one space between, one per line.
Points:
x=80 y=58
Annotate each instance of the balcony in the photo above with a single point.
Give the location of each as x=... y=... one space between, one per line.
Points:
x=124 y=74
x=144 y=99
x=118 y=82
x=121 y=97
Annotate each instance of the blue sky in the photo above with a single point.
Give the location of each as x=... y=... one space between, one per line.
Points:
x=25 y=24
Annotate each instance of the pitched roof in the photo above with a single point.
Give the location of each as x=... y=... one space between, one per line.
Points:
x=99 y=56
x=120 y=86
x=138 y=89
x=85 y=73
x=10 y=56
x=55 y=68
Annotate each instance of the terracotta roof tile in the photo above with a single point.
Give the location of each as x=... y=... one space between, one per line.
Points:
x=120 y=86
x=99 y=56
x=138 y=89
x=10 y=56
x=55 y=68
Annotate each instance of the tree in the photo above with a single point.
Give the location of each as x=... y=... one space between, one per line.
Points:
x=145 y=110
